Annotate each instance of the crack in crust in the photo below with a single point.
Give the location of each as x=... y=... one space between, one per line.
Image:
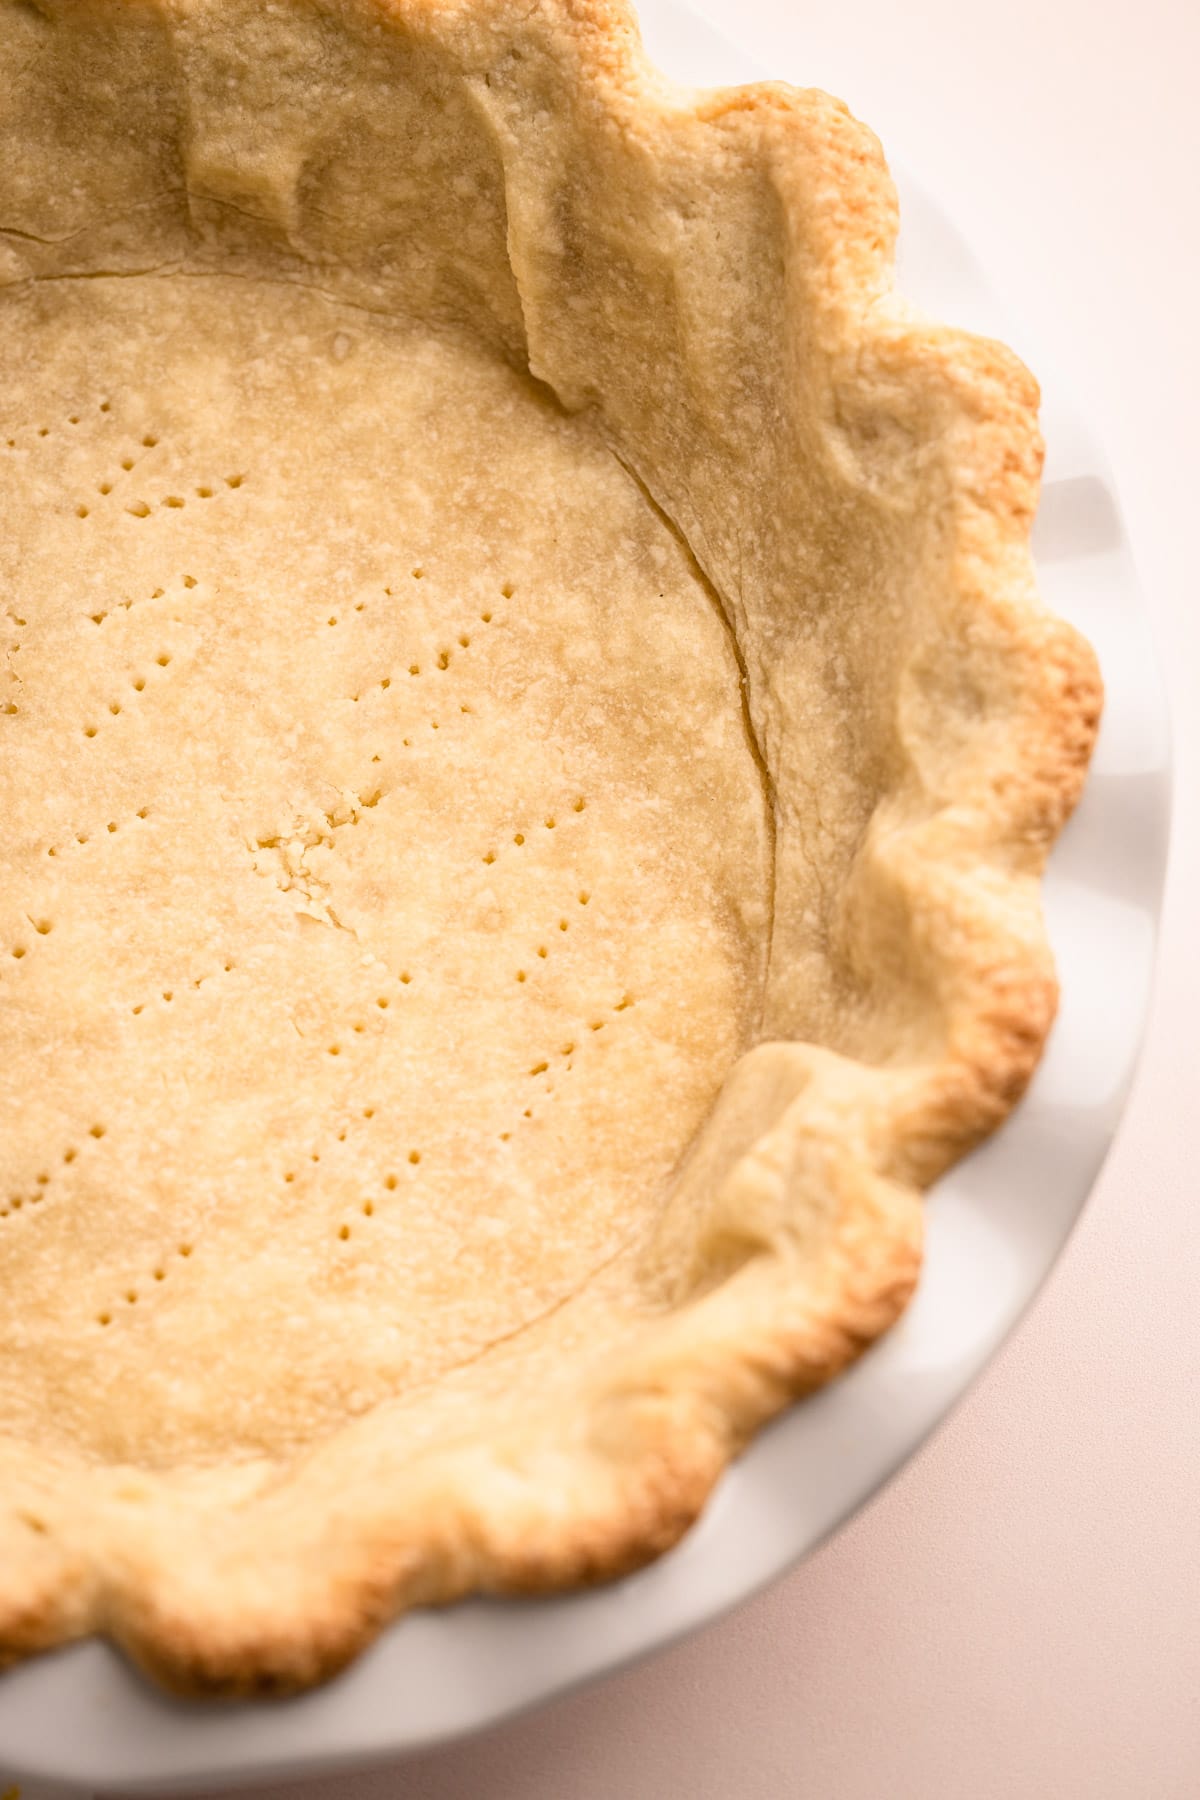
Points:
x=712 y=275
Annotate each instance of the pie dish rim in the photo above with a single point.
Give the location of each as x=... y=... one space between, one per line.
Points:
x=642 y=1578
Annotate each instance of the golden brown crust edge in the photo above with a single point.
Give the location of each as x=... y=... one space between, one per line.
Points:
x=622 y=1489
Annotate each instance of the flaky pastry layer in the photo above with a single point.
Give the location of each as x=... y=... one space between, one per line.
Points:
x=387 y=300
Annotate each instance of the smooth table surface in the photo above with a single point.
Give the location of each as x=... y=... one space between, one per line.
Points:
x=1016 y=1615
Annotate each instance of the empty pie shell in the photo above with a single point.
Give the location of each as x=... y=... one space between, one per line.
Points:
x=529 y=743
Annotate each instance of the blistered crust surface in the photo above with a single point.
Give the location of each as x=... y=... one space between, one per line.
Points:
x=734 y=475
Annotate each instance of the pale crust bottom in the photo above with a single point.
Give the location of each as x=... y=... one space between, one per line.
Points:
x=384 y=866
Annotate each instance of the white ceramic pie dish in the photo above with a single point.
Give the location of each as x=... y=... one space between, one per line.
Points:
x=82 y=1718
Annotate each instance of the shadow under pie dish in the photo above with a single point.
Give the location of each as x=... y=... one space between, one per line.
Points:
x=528 y=751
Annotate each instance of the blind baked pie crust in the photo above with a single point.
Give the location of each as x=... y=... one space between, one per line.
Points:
x=529 y=742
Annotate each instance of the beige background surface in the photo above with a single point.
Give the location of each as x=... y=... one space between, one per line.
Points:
x=1018 y=1615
